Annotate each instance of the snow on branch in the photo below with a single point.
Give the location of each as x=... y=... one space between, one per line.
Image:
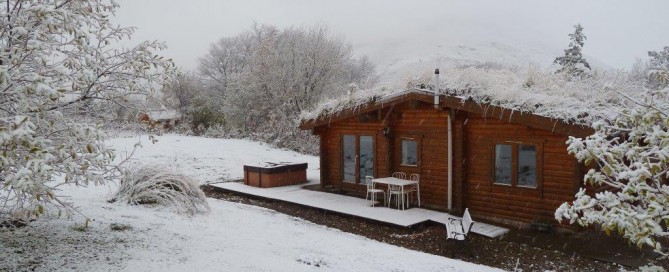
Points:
x=59 y=63
x=632 y=158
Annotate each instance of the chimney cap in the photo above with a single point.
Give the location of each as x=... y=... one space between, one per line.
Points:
x=436 y=71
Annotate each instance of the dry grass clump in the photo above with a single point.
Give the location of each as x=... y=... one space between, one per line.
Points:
x=159 y=185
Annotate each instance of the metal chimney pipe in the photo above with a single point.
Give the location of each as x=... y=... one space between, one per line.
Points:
x=436 y=88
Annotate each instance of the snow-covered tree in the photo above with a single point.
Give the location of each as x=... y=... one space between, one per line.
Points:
x=181 y=91
x=630 y=161
x=58 y=61
x=658 y=68
x=200 y=106
x=573 y=63
x=361 y=73
x=267 y=76
x=225 y=62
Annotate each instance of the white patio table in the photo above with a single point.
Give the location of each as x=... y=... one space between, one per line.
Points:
x=399 y=182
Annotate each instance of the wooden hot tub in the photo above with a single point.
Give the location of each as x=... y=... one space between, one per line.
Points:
x=275 y=174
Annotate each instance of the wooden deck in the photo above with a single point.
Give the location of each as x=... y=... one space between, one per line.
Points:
x=355 y=206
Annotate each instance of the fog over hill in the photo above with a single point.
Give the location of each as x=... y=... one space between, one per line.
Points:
x=407 y=60
x=395 y=34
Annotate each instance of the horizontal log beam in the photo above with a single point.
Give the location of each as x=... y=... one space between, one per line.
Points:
x=371 y=106
x=504 y=114
x=487 y=111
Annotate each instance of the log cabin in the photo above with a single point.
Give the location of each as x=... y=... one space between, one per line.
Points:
x=163 y=119
x=504 y=164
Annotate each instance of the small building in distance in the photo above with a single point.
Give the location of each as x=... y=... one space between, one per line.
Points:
x=163 y=119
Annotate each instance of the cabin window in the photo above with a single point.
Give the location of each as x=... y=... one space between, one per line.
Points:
x=409 y=152
x=503 y=164
x=527 y=166
x=515 y=164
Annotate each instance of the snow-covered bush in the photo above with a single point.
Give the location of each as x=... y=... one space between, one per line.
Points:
x=159 y=185
x=652 y=268
x=200 y=111
x=204 y=115
x=630 y=159
x=58 y=63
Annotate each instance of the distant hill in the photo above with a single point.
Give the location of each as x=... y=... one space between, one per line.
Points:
x=401 y=61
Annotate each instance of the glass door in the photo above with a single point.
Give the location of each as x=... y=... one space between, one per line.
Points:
x=350 y=158
x=357 y=158
x=366 y=158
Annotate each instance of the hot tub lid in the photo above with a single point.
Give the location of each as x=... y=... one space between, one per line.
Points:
x=275 y=167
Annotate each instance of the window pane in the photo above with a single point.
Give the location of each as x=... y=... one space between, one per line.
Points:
x=348 y=148
x=366 y=157
x=503 y=164
x=527 y=166
x=409 y=152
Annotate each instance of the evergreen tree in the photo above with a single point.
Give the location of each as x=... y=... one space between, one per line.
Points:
x=572 y=62
x=658 y=70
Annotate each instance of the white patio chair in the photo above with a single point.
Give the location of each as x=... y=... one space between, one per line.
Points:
x=458 y=228
x=414 y=189
x=396 y=190
x=400 y=175
x=371 y=191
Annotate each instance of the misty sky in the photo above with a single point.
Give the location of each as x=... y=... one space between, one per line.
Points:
x=618 y=31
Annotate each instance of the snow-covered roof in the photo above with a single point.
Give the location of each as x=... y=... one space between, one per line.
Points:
x=542 y=93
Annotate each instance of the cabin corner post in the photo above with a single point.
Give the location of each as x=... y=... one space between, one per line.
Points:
x=323 y=153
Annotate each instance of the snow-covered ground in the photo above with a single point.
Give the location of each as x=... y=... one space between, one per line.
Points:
x=205 y=159
x=232 y=237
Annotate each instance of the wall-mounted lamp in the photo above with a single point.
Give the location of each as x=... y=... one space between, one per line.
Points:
x=386 y=131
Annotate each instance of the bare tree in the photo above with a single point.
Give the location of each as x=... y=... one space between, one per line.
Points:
x=181 y=91
x=225 y=61
x=270 y=75
x=361 y=73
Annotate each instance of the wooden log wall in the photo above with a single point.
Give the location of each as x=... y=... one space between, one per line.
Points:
x=422 y=122
x=412 y=119
x=473 y=139
x=513 y=204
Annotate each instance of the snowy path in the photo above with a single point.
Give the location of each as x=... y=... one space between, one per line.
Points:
x=233 y=237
